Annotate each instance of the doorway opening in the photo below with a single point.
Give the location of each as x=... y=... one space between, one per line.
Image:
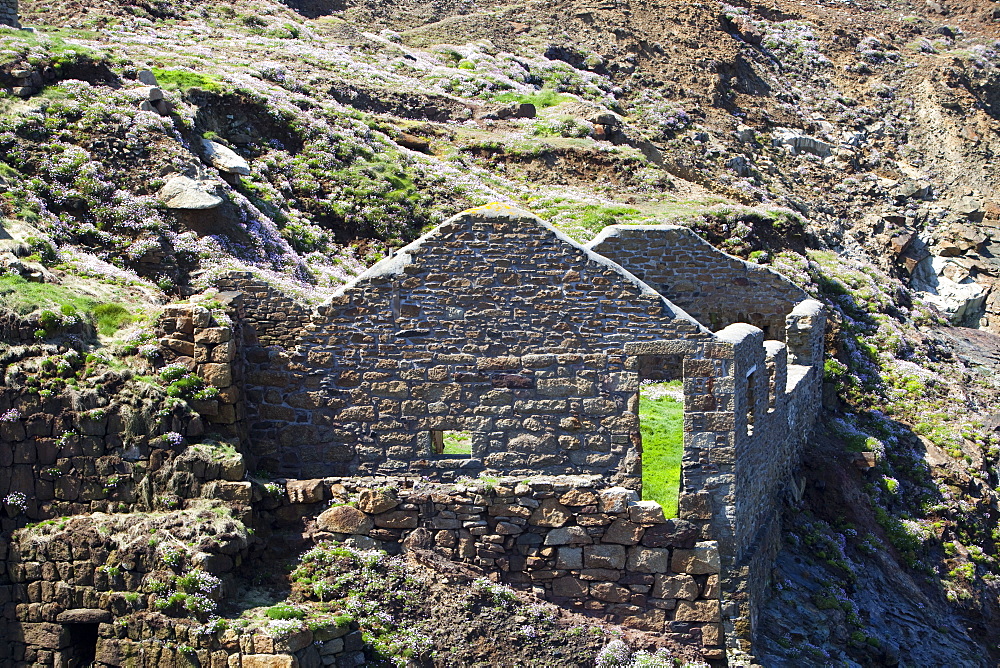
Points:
x=83 y=645
x=661 y=427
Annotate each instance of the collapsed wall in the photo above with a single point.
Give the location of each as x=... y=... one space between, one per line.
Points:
x=595 y=550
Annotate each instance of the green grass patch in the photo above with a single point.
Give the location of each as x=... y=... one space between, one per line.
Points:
x=661 y=422
x=457 y=443
x=111 y=317
x=541 y=99
x=184 y=79
x=25 y=297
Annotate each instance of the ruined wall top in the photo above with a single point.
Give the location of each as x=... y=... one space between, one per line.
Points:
x=8 y=13
x=716 y=288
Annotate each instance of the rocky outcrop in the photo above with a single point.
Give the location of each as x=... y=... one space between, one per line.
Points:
x=184 y=192
x=224 y=158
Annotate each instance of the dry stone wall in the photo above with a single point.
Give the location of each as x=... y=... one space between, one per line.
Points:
x=569 y=540
x=716 y=288
x=494 y=323
x=77 y=577
x=206 y=344
x=278 y=319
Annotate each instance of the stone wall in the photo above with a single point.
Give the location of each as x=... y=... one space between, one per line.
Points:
x=8 y=13
x=278 y=319
x=77 y=574
x=494 y=323
x=716 y=288
x=205 y=343
x=591 y=549
x=739 y=459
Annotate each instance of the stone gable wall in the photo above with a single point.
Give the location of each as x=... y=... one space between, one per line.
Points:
x=8 y=13
x=496 y=324
x=716 y=288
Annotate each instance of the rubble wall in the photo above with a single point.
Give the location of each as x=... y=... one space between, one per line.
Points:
x=569 y=540
x=717 y=289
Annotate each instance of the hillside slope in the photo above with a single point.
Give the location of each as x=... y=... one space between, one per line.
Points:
x=848 y=145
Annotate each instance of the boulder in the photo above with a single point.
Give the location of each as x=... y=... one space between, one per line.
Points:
x=224 y=158
x=182 y=192
x=963 y=302
x=344 y=519
x=148 y=78
x=799 y=143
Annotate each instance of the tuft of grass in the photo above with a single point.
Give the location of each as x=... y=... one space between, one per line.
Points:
x=285 y=611
x=185 y=79
x=24 y=297
x=661 y=422
x=111 y=317
x=542 y=99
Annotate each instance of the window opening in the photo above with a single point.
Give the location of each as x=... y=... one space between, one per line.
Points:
x=751 y=399
x=451 y=443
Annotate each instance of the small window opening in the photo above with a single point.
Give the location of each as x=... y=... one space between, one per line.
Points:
x=83 y=645
x=451 y=443
x=751 y=399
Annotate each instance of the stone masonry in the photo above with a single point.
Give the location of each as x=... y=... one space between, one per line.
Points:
x=205 y=343
x=717 y=289
x=8 y=13
x=595 y=550
x=496 y=324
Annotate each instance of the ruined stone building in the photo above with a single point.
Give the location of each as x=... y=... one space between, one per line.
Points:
x=494 y=324
x=497 y=324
